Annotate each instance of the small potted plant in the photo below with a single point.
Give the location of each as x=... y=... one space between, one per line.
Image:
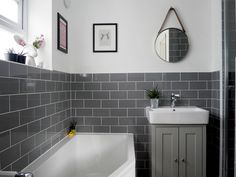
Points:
x=21 y=57
x=153 y=95
x=72 y=129
x=11 y=55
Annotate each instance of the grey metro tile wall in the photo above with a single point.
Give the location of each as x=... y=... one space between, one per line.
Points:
x=34 y=112
x=114 y=103
x=38 y=105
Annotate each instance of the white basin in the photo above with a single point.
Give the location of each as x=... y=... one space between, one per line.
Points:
x=177 y=115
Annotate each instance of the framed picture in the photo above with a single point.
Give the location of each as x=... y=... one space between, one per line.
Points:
x=105 y=37
x=62 y=34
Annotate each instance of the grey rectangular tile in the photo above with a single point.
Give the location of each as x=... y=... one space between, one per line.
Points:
x=50 y=86
x=9 y=86
x=45 y=74
x=77 y=103
x=118 y=112
x=205 y=94
x=9 y=156
x=100 y=77
x=180 y=85
x=4 y=140
x=136 y=129
x=101 y=129
x=101 y=112
x=142 y=121
x=109 y=86
x=50 y=109
x=34 y=73
x=127 y=121
x=83 y=95
x=205 y=76
x=83 y=112
x=136 y=112
x=136 y=77
x=136 y=94
x=93 y=121
x=126 y=103
x=34 y=154
x=45 y=123
x=118 y=94
x=45 y=98
x=27 y=145
x=200 y=103
x=18 y=70
x=84 y=77
x=4 y=68
x=20 y=163
x=8 y=121
x=55 y=75
x=40 y=86
x=92 y=103
x=77 y=86
x=189 y=94
x=127 y=86
x=153 y=76
x=33 y=128
x=163 y=85
x=27 y=86
x=46 y=146
x=18 y=134
x=110 y=103
x=27 y=116
x=33 y=100
x=5 y=104
x=119 y=129
x=198 y=85
x=144 y=85
x=84 y=129
x=142 y=103
x=189 y=76
x=40 y=138
x=118 y=77
x=171 y=76
x=109 y=121
x=92 y=86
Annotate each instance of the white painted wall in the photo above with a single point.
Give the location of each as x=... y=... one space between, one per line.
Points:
x=40 y=22
x=138 y=24
x=60 y=60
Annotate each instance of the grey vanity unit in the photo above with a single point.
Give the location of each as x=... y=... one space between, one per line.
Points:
x=178 y=143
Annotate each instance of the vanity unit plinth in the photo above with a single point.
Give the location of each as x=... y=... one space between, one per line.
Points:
x=178 y=150
x=178 y=141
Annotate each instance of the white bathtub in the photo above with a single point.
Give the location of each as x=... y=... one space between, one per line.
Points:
x=88 y=155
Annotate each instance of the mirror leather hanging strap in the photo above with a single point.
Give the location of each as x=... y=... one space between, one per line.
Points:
x=168 y=13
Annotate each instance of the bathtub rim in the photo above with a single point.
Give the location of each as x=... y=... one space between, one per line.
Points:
x=33 y=166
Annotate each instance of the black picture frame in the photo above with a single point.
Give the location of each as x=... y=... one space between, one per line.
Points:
x=63 y=21
x=112 y=44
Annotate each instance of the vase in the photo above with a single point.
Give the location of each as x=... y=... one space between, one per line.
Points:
x=154 y=103
x=32 y=53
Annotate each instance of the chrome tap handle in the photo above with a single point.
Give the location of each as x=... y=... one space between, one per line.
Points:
x=21 y=174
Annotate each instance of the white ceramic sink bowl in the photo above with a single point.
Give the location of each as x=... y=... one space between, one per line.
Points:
x=177 y=115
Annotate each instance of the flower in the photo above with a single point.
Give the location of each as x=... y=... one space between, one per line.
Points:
x=39 y=42
x=19 y=40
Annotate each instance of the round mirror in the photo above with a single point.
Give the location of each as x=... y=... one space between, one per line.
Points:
x=172 y=45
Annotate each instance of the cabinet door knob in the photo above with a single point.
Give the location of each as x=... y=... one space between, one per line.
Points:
x=176 y=160
x=183 y=160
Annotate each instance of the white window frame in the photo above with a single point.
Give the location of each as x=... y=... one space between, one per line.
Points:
x=21 y=26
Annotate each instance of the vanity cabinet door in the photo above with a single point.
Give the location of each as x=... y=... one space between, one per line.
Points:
x=166 y=155
x=191 y=152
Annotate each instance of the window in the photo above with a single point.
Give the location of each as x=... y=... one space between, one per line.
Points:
x=11 y=15
x=12 y=21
